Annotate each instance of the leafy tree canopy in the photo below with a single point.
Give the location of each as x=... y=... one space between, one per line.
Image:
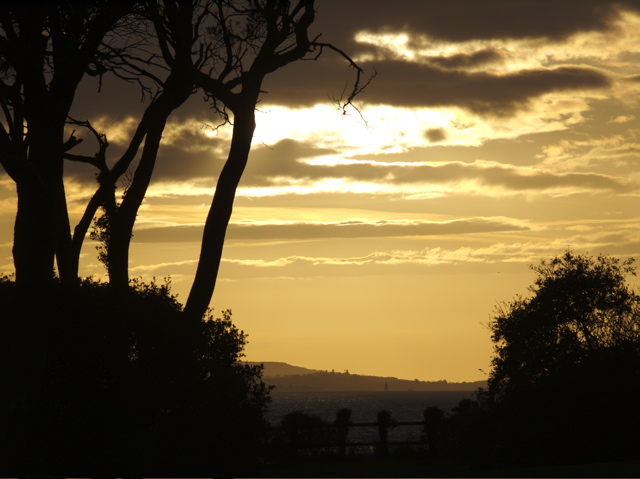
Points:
x=566 y=370
x=580 y=307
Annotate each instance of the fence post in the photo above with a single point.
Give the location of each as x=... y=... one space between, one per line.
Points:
x=385 y=422
x=343 y=421
x=433 y=419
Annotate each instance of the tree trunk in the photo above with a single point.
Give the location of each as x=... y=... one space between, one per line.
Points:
x=217 y=221
x=178 y=89
x=39 y=189
x=118 y=253
x=42 y=231
x=105 y=194
x=28 y=321
x=67 y=265
x=80 y=231
x=34 y=236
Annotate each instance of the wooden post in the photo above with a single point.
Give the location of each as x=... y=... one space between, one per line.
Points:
x=385 y=422
x=343 y=421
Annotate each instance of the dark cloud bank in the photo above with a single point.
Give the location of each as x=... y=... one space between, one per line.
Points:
x=444 y=81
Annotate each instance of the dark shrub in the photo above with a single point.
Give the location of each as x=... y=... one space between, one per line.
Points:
x=132 y=387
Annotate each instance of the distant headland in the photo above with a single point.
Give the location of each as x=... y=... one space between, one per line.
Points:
x=286 y=377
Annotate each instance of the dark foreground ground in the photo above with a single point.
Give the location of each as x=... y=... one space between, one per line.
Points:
x=410 y=467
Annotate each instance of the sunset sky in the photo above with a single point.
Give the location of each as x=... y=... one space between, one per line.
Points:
x=495 y=134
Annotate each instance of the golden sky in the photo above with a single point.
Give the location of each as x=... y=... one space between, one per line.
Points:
x=495 y=134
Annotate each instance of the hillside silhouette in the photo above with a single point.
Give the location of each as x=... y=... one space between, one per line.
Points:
x=273 y=368
x=286 y=377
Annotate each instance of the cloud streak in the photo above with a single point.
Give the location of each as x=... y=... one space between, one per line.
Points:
x=250 y=230
x=288 y=170
x=529 y=252
x=526 y=253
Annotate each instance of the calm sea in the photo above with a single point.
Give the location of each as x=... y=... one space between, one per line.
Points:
x=404 y=406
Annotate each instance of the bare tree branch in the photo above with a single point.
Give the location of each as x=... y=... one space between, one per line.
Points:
x=99 y=160
x=358 y=86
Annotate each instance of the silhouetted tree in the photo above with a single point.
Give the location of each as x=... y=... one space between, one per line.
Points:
x=163 y=63
x=251 y=39
x=170 y=48
x=580 y=306
x=567 y=363
x=45 y=50
x=226 y=49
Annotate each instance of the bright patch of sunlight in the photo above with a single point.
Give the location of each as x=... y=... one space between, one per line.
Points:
x=335 y=161
x=117 y=131
x=381 y=129
x=326 y=185
x=385 y=129
x=398 y=43
x=191 y=187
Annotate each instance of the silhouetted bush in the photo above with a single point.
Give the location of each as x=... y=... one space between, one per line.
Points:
x=131 y=387
x=566 y=375
x=302 y=434
x=468 y=434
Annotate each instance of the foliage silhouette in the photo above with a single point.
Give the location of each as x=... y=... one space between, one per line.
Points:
x=299 y=431
x=130 y=390
x=566 y=372
x=468 y=433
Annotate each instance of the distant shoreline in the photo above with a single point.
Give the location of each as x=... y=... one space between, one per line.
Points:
x=286 y=377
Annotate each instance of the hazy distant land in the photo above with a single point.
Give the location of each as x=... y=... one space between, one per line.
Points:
x=286 y=377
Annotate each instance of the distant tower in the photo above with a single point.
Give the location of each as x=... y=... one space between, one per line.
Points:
x=386 y=387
